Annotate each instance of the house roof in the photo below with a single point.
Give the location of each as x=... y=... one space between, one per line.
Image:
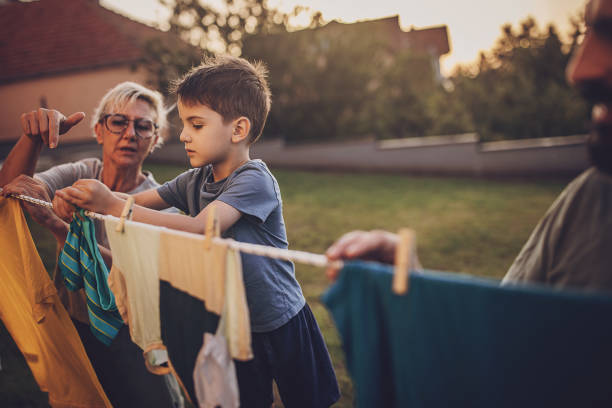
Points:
x=46 y=37
x=433 y=40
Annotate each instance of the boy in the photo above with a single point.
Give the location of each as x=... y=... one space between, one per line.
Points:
x=223 y=105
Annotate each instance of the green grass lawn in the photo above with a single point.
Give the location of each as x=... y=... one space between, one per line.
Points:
x=462 y=225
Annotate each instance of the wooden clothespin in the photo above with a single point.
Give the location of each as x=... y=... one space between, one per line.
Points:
x=125 y=213
x=405 y=256
x=212 y=227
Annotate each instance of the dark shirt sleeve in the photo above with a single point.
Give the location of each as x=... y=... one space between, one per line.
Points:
x=174 y=192
x=252 y=191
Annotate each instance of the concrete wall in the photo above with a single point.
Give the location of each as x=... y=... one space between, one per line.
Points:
x=69 y=93
x=457 y=154
x=444 y=155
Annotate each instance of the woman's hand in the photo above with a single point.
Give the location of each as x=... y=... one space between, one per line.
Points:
x=91 y=195
x=47 y=125
x=45 y=216
x=28 y=186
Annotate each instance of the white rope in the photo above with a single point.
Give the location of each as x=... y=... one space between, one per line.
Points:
x=302 y=257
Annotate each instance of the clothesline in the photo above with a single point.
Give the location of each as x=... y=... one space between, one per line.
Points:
x=302 y=257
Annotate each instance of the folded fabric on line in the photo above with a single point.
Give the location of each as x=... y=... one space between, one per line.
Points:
x=82 y=266
x=456 y=340
x=34 y=316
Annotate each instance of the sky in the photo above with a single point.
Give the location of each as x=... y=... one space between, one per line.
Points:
x=473 y=25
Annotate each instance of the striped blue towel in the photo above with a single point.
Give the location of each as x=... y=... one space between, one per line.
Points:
x=82 y=266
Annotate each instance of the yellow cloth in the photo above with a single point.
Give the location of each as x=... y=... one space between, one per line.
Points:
x=37 y=321
x=213 y=276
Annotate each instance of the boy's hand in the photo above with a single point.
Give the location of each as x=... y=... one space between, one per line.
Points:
x=63 y=208
x=47 y=125
x=92 y=195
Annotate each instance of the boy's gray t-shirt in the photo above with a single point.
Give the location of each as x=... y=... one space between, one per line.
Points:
x=273 y=294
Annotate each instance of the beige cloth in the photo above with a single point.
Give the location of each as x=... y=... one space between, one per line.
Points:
x=237 y=327
x=213 y=276
x=185 y=264
x=134 y=279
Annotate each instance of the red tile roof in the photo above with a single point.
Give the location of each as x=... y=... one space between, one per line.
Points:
x=52 y=36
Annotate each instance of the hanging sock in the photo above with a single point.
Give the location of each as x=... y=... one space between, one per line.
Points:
x=82 y=266
x=37 y=321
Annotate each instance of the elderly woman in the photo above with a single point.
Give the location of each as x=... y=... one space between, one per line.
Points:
x=127 y=123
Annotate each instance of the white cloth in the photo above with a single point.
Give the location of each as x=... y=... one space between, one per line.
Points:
x=214 y=374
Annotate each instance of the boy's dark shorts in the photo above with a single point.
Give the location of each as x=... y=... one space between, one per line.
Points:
x=295 y=356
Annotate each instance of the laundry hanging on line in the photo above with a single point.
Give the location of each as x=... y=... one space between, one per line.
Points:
x=302 y=257
x=456 y=340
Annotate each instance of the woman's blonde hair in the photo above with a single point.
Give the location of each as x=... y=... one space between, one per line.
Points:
x=126 y=93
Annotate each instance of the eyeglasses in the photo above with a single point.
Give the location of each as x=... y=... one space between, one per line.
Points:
x=117 y=123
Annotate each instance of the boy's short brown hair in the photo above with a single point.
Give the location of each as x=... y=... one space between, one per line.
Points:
x=230 y=86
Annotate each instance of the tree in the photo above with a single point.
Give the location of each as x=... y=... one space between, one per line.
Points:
x=519 y=88
x=223 y=29
x=341 y=81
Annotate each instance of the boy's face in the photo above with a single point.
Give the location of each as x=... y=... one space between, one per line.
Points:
x=207 y=138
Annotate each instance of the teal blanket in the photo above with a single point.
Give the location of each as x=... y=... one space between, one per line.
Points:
x=456 y=341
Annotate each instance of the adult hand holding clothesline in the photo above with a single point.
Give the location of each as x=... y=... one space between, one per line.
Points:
x=28 y=186
x=376 y=245
x=47 y=217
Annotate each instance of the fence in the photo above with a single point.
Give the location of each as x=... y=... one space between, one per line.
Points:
x=456 y=154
